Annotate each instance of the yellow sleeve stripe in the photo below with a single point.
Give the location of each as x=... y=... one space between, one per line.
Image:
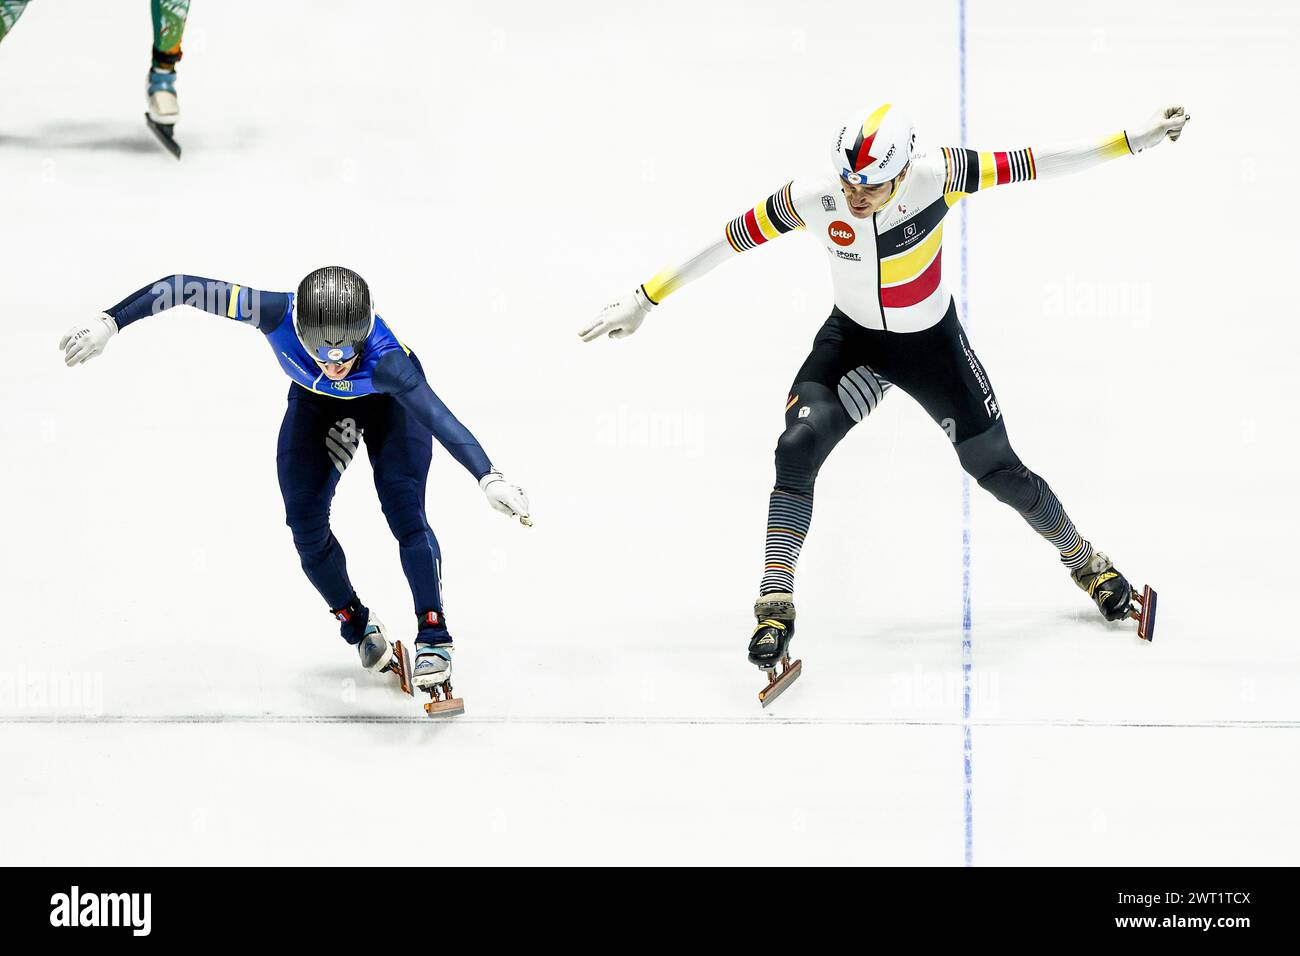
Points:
x=232 y=310
x=988 y=171
x=912 y=263
x=1115 y=146
x=765 y=224
x=664 y=284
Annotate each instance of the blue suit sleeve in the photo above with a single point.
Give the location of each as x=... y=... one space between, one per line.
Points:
x=262 y=310
x=396 y=375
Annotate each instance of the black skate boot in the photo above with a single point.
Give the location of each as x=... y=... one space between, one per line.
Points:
x=770 y=644
x=1106 y=586
x=1115 y=597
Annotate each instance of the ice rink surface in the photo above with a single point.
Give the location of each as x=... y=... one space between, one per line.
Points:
x=173 y=691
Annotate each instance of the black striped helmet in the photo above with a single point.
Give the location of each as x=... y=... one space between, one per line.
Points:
x=332 y=314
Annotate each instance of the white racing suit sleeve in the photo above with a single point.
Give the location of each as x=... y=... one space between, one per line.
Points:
x=774 y=216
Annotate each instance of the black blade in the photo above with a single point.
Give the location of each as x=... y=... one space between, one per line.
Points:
x=165 y=134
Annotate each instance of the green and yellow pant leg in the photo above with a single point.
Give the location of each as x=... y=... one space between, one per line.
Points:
x=168 y=28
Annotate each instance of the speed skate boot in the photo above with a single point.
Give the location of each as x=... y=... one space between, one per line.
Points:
x=1115 y=597
x=432 y=673
x=378 y=654
x=770 y=645
x=164 y=109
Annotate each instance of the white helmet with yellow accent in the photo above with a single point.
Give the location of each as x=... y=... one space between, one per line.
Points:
x=874 y=149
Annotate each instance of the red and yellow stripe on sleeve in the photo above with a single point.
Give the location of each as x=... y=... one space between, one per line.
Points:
x=967 y=171
x=773 y=217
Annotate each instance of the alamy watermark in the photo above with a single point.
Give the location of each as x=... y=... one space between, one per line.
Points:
x=626 y=427
x=946 y=690
x=1073 y=298
x=81 y=692
x=209 y=296
x=75 y=908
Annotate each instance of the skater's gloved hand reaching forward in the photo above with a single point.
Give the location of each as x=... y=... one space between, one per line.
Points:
x=620 y=318
x=83 y=342
x=506 y=498
x=1164 y=122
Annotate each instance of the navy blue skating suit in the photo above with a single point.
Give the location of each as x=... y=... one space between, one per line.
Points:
x=385 y=399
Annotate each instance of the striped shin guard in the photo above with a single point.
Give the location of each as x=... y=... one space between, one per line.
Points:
x=788 y=517
x=1049 y=519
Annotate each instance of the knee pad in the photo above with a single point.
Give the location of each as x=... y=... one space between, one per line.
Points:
x=1018 y=487
x=797 y=458
x=991 y=461
x=987 y=452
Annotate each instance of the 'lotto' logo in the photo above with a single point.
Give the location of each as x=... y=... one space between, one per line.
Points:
x=841 y=233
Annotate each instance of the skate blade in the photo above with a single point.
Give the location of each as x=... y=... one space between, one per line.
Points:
x=451 y=707
x=165 y=134
x=775 y=688
x=1145 y=613
x=401 y=666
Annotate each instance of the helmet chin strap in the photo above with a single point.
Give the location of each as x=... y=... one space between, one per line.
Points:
x=897 y=184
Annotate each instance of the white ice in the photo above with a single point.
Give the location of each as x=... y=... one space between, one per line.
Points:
x=174 y=692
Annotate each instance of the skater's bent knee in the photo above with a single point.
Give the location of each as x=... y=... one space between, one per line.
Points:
x=991 y=461
x=309 y=527
x=988 y=452
x=411 y=534
x=1018 y=487
x=798 y=458
x=797 y=442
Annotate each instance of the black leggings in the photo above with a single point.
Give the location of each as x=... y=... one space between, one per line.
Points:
x=845 y=376
x=849 y=371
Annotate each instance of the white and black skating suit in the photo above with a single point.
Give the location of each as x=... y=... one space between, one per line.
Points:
x=893 y=323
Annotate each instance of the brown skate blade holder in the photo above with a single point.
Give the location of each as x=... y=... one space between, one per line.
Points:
x=1145 y=613
x=441 y=703
x=446 y=707
x=402 y=665
x=777 y=683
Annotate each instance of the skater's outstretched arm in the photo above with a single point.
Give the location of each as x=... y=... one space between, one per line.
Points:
x=262 y=310
x=396 y=375
x=967 y=170
x=774 y=216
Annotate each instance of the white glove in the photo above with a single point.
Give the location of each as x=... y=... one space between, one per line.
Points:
x=1166 y=122
x=506 y=498
x=83 y=342
x=620 y=318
